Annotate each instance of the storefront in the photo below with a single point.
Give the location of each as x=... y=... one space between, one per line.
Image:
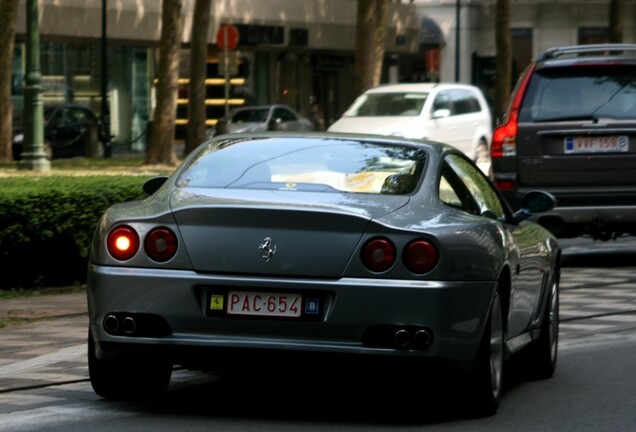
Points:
x=282 y=57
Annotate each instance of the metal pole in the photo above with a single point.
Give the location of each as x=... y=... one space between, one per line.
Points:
x=457 y=44
x=33 y=156
x=104 y=85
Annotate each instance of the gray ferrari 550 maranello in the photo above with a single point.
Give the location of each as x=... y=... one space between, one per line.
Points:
x=275 y=247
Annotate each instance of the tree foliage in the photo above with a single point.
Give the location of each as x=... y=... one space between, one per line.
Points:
x=503 y=60
x=198 y=72
x=161 y=143
x=616 y=12
x=370 y=43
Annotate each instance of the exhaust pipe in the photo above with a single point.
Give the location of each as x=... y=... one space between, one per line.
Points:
x=111 y=323
x=128 y=325
x=402 y=338
x=423 y=339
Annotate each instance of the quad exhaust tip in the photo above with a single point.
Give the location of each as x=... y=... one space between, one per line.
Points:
x=418 y=338
x=402 y=338
x=113 y=324
x=135 y=324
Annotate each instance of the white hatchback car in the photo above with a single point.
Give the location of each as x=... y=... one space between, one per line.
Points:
x=456 y=114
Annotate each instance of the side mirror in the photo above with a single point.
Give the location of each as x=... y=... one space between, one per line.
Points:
x=274 y=123
x=534 y=202
x=151 y=186
x=441 y=113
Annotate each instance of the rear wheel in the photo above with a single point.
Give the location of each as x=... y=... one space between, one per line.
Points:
x=542 y=354
x=127 y=378
x=487 y=376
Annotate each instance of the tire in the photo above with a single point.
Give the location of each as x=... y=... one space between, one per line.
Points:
x=542 y=354
x=122 y=378
x=488 y=369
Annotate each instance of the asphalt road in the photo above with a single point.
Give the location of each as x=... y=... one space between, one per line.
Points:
x=592 y=390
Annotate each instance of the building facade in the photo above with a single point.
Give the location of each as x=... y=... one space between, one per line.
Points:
x=467 y=40
x=288 y=50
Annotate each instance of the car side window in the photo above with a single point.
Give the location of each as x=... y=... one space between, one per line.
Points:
x=284 y=115
x=78 y=115
x=56 y=118
x=442 y=101
x=464 y=102
x=66 y=117
x=469 y=190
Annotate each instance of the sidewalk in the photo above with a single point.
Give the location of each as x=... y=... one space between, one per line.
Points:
x=44 y=341
x=45 y=306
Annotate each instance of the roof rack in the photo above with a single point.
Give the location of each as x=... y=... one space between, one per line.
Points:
x=586 y=49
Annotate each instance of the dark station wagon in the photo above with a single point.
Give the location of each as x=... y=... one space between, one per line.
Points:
x=570 y=129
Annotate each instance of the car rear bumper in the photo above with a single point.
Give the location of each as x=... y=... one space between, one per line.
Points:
x=360 y=316
x=602 y=212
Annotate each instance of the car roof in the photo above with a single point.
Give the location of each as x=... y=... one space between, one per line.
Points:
x=331 y=136
x=417 y=87
x=268 y=106
x=607 y=52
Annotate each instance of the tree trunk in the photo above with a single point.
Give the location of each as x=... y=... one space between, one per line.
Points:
x=198 y=73
x=161 y=144
x=503 y=68
x=8 y=18
x=616 y=12
x=370 y=44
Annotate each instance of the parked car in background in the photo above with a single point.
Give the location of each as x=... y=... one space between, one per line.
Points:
x=570 y=129
x=274 y=253
x=455 y=114
x=261 y=118
x=70 y=130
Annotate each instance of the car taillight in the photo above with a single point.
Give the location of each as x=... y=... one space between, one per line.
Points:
x=122 y=243
x=160 y=244
x=504 y=185
x=378 y=254
x=504 y=138
x=420 y=256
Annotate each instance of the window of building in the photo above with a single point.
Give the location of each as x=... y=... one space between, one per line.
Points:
x=593 y=35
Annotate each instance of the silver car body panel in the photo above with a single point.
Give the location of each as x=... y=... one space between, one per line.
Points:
x=179 y=297
x=219 y=232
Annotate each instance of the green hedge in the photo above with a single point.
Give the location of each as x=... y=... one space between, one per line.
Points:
x=46 y=225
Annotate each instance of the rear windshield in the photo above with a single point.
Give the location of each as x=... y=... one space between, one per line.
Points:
x=251 y=116
x=581 y=92
x=387 y=104
x=308 y=164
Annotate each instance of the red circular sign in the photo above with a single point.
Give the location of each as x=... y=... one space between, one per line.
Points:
x=227 y=37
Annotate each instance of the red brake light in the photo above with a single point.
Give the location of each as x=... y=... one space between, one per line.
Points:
x=504 y=138
x=378 y=254
x=122 y=243
x=161 y=244
x=420 y=256
x=505 y=185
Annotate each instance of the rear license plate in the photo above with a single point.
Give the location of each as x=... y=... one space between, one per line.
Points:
x=238 y=303
x=264 y=304
x=604 y=144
